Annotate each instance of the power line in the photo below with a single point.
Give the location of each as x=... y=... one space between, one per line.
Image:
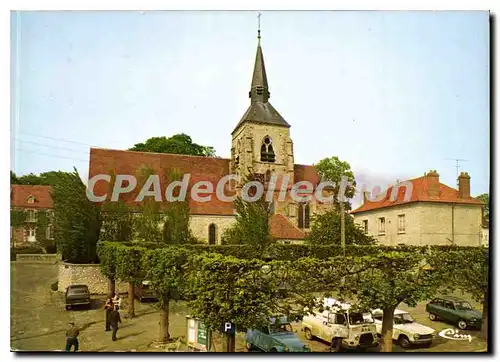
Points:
x=46 y=145
x=58 y=139
x=48 y=154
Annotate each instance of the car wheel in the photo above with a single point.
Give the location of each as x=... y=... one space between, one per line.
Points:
x=68 y=307
x=249 y=346
x=428 y=344
x=404 y=341
x=336 y=344
x=461 y=324
x=273 y=350
x=308 y=334
x=432 y=317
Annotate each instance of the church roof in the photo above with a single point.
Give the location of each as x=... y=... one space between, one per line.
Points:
x=260 y=110
x=283 y=229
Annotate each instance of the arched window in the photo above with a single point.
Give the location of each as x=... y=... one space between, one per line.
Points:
x=212 y=237
x=300 y=216
x=267 y=151
x=303 y=216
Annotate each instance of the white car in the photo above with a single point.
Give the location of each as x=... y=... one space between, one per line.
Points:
x=405 y=330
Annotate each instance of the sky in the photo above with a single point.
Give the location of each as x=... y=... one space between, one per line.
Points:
x=395 y=94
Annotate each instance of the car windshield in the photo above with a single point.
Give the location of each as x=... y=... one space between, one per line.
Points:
x=77 y=290
x=367 y=317
x=403 y=318
x=280 y=328
x=356 y=318
x=463 y=306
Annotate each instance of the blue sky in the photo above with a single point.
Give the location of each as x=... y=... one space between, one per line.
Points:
x=392 y=93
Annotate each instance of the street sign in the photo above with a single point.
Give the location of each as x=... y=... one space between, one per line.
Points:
x=198 y=336
x=229 y=328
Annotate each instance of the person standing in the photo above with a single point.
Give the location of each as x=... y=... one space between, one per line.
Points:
x=72 y=337
x=108 y=308
x=115 y=319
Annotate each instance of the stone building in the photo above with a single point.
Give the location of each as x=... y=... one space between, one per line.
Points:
x=423 y=212
x=32 y=200
x=261 y=145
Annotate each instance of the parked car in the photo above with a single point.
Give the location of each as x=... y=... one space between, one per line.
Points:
x=405 y=330
x=277 y=336
x=143 y=292
x=454 y=310
x=343 y=328
x=77 y=294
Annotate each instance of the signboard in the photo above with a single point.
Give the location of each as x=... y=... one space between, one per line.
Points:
x=229 y=328
x=198 y=336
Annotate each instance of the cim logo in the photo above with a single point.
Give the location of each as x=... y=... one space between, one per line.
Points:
x=454 y=334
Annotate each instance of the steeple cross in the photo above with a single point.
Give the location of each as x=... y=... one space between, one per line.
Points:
x=258 y=20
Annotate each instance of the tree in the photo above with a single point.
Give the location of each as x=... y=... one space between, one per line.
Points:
x=76 y=217
x=45 y=178
x=13 y=178
x=388 y=279
x=486 y=199
x=17 y=219
x=106 y=251
x=333 y=169
x=165 y=269
x=178 y=143
x=465 y=269
x=129 y=269
x=325 y=230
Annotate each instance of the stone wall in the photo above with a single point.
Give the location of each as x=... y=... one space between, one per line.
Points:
x=199 y=225
x=88 y=274
x=38 y=258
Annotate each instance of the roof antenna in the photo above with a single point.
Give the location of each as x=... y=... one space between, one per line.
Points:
x=457 y=160
x=258 y=31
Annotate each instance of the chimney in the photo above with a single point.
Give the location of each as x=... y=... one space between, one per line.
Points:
x=366 y=196
x=464 y=185
x=432 y=183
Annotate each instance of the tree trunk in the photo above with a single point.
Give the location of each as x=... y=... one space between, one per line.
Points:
x=230 y=342
x=164 y=336
x=484 y=327
x=131 y=307
x=111 y=287
x=387 y=324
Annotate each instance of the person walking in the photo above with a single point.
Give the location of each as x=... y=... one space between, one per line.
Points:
x=115 y=319
x=108 y=308
x=72 y=337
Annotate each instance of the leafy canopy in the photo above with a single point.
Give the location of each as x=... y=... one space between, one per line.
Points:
x=178 y=143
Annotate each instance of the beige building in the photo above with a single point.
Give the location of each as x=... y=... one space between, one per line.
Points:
x=423 y=211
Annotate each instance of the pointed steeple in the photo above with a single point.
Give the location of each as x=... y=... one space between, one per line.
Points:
x=259 y=91
x=260 y=110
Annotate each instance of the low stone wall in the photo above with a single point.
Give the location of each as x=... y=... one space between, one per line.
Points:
x=38 y=258
x=88 y=274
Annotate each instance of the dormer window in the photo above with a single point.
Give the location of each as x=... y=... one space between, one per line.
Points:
x=31 y=199
x=267 y=151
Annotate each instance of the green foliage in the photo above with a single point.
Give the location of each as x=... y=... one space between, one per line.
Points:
x=147 y=222
x=13 y=178
x=43 y=221
x=251 y=226
x=129 y=266
x=178 y=143
x=325 y=230
x=77 y=219
x=176 y=218
x=165 y=269
x=32 y=249
x=332 y=169
x=45 y=178
x=106 y=251
x=486 y=199
x=117 y=221
x=17 y=217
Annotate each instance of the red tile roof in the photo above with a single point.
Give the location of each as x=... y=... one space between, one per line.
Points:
x=306 y=173
x=103 y=161
x=20 y=194
x=282 y=229
x=419 y=193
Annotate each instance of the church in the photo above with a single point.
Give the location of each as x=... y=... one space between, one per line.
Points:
x=261 y=146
